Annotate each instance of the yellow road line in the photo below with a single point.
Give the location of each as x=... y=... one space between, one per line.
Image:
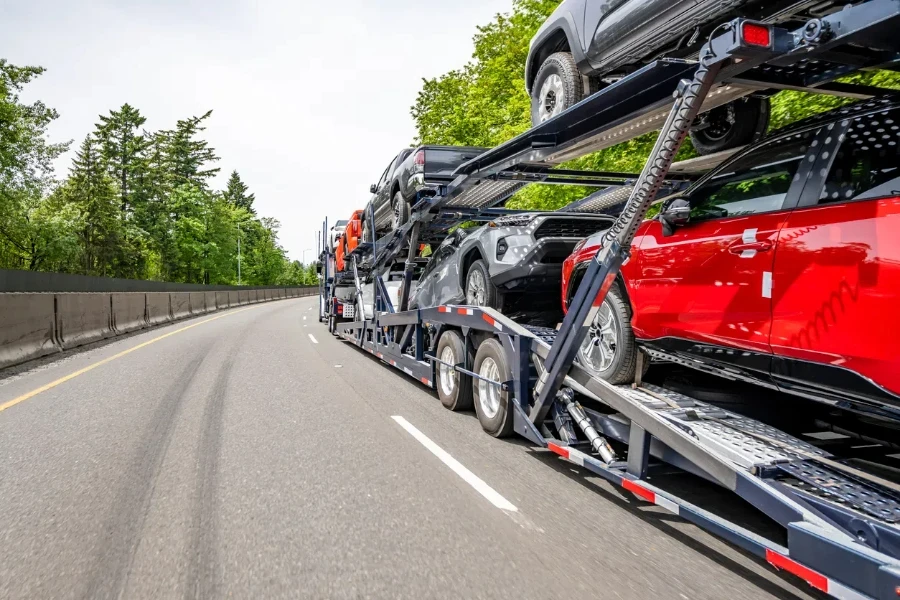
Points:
x=53 y=384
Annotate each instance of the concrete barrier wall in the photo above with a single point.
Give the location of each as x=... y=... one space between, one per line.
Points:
x=35 y=324
x=221 y=300
x=129 y=311
x=28 y=327
x=198 y=303
x=181 y=304
x=82 y=318
x=158 y=310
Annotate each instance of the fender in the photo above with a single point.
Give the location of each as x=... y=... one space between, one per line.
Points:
x=561 y=23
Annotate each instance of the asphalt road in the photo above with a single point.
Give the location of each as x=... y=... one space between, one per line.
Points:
x=252 y=455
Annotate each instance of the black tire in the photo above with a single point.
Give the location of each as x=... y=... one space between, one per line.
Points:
x=735 y=124
x=622 y=367
x=457 y=394
x=400 y=208
x=491 y=296
x=570 y=92
x=500 y=423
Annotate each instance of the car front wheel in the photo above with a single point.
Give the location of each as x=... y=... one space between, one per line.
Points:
x=558 y=86
x=480 y=291
x=609 y=350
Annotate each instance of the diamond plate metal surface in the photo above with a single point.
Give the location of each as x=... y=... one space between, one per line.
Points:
x=833 y=486
x=726 y=434
x=486 y=194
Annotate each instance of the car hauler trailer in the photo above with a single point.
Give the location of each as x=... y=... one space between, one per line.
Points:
x=841 y=522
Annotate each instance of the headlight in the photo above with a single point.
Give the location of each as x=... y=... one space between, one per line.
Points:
x=514 y=220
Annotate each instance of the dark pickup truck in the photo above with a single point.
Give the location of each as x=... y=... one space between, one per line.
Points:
x=412 y=171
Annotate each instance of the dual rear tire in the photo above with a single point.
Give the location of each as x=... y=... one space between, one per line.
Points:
x=459 y=391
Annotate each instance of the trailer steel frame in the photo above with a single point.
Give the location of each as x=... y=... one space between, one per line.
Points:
x=842 y=525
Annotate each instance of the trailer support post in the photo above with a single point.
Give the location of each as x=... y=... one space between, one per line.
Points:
x=638 y=451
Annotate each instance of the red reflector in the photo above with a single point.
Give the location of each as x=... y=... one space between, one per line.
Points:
x=638 y=490
x=340 y=309
x=756 y=35
x=564 y=452
x=420 y=158
x=489 y=319
x=820 y=582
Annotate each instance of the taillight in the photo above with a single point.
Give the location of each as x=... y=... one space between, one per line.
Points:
x=340 y=308
x=755 y=34
x=420 y=158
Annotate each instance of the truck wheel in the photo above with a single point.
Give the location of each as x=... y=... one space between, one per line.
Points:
x=479 y=289
x=492 y=403
x=400 y=208
x=454 y=388
x=735 y=124
x=609 y=350
x=558 y=86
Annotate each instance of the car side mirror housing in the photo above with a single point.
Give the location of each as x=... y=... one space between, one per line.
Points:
x=675 y=214
x=373 y=188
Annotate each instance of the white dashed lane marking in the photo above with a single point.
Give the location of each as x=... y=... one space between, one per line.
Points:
x=468 y=476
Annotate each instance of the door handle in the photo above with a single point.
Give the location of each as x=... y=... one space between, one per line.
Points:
x=763 y=246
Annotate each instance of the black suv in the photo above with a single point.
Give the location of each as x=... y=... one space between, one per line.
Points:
x=587 y=44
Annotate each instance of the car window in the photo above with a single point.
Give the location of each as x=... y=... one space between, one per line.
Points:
x=383 y=178
x=757 y=182
x=443 y=253
x=867 y=164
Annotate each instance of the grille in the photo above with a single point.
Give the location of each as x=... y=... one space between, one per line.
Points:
x=569 y=228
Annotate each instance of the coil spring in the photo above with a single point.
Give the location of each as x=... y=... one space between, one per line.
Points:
x=625 y=227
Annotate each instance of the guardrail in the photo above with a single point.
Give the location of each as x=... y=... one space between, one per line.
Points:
x=33 y=325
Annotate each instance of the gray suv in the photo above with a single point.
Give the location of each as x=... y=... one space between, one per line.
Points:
x=498 y=264
x=588 y=44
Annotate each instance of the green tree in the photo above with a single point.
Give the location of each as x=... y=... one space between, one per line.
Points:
x=187 y=156
x=236 y=193
x=123 y=149
x=27 y=227
x=92 y=192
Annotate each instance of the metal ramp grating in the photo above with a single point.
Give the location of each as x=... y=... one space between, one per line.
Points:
x=736 y=438
x=486 y=194
x=830 y=485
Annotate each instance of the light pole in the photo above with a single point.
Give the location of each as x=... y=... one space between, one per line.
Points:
x=239 y=253
x=304 y=254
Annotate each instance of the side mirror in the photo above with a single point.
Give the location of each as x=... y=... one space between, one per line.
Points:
x=318 y=266
x=373 y=188
x=676 y=213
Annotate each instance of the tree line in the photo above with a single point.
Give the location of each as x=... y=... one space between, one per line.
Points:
x=484 y=103
x=136 y=204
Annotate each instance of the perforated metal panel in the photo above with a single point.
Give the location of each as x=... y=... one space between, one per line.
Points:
x=830 y=485
x=486 y=194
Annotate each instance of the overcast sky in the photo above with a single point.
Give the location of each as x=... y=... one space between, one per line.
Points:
x=310 y=99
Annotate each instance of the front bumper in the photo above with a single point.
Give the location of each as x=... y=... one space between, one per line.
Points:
x=540 y=267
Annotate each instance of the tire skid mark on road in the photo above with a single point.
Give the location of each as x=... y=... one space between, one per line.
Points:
x=202 y=577
x=128 y=513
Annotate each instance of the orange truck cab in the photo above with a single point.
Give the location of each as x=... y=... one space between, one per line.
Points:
x=349 y=239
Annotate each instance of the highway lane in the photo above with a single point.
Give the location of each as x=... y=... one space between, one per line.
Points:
x=254 y=455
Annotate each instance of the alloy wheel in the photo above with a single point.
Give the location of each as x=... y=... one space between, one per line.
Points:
x=552 y=98
x=598 y=350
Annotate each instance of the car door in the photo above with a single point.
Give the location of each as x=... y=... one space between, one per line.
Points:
x=594 y=13
x=380 y=201
x=428 y=287
x=710 y=281
x=836 y=277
